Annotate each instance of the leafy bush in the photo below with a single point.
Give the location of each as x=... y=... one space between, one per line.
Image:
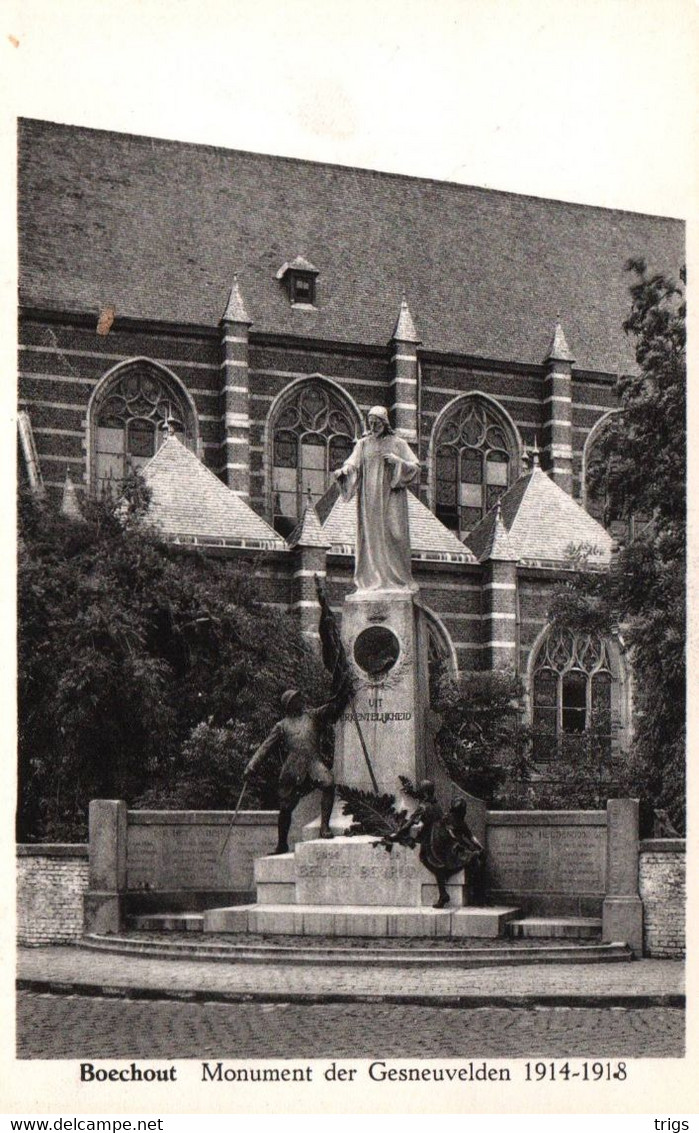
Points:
x=482 y=742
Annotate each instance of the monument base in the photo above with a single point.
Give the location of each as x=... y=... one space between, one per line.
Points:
x=360 y=920
x=351 y=887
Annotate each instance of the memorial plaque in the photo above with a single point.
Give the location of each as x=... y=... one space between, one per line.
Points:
x=376 y=650
x=184 y=850
x=547 y=858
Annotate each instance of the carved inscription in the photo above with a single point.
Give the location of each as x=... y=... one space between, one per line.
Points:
x=548 y=859
x=379 y=717
x=340 y=865
x=175 y=857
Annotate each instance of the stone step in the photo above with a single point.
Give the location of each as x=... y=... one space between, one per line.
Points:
x=166 y=922
x=566 y=928
x=444 y=954
x=275 y=868
x=360 y=920
x=276 y=893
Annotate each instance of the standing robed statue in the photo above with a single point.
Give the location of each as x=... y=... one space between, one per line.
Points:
x=378 y=473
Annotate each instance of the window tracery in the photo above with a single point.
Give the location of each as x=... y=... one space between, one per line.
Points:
x=473 y=464
x=130 y=421
x=313 y=434
x=572 y=689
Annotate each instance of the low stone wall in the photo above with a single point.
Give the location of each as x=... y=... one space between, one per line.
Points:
x=183 y=860
x=51 y=883
x=175 y=861
x=662 y=885
x=548 y=863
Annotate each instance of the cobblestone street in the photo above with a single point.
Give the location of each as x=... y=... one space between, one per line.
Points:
x=73 y=1026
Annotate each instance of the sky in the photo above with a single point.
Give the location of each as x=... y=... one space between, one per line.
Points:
x=581 y=100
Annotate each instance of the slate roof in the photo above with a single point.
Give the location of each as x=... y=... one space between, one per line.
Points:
x=190 y=504
x=308 y=532
x=158 y=228
x=542 y=522
x=429 y=539
x=496 y=543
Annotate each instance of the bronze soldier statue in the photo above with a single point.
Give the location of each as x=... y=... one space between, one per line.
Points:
x=300 y=733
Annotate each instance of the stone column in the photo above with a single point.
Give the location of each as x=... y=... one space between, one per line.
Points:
x=107 y=885
x=235 y=449
x=558 y=426
x=622 y=911
x=403 y=388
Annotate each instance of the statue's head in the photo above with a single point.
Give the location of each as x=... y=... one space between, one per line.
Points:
x=425 y=790
x=378 y=421
x=292 y=702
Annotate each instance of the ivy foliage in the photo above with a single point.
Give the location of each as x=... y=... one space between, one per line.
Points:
x=144 y=672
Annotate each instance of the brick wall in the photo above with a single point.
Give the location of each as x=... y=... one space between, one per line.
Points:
x=60 y=363
x=663 y=889
x=51 y=881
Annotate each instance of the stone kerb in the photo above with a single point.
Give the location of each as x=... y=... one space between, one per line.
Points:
x=51 y=882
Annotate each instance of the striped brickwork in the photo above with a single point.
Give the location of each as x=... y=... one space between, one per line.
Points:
x=308 y=562
x=499 y=619
x=534 y=600
x=557 y=438
x=235 y=388
x=62 y=360
x=403 y=391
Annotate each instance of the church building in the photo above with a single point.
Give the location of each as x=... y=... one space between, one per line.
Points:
x=224 y=321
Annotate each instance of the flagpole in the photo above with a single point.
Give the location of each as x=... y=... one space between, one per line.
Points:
x=374 y=784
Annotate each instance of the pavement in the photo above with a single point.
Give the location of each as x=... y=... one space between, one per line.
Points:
x=78 y=1027
x=73 y=970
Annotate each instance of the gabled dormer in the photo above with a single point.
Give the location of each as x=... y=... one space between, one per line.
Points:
x=299 y=277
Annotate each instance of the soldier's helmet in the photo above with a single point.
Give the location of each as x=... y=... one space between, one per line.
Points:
x=287 y=697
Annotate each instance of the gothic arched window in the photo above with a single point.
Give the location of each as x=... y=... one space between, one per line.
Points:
x=129 y=419
x=473 y=464
x=312 y=434
x=572 y=690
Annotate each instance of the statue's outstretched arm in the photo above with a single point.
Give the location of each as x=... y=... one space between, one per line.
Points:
x=331 y=711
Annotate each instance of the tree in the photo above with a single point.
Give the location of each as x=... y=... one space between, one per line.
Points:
x=639 y=469
x=481 y=742
x=142 y=668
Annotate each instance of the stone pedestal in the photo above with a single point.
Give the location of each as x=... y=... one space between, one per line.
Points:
x=386 y=641
x=350 y=887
